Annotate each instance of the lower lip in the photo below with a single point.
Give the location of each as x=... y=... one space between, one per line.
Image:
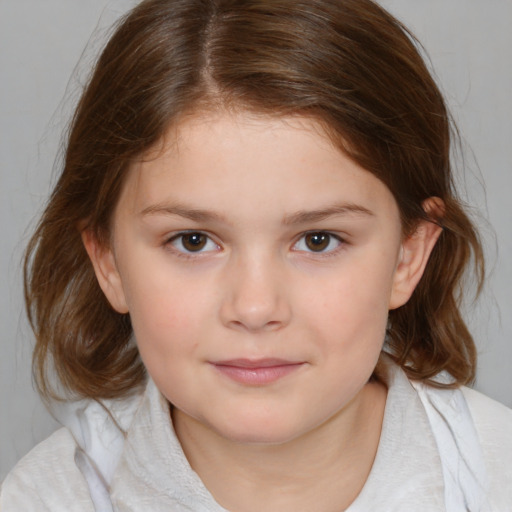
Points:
x=257 y=376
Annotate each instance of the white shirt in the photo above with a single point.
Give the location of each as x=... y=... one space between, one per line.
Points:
x=440 y=450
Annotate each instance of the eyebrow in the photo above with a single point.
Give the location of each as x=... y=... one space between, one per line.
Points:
x=300 y=217
x=305 y=216
x=194 y=214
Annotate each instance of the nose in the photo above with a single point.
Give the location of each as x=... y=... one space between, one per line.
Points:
x=255 y=295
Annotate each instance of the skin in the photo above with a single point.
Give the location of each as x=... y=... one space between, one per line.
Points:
x=255 y=186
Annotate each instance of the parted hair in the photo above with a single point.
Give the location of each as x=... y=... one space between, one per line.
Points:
x=348 y=64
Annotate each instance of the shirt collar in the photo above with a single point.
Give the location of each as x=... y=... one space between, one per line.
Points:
x=154 y=474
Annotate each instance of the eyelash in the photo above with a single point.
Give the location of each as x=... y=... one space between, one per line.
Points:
x=183 y=253
x=323 y=254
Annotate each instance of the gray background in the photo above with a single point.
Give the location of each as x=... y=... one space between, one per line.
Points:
x=469 y=42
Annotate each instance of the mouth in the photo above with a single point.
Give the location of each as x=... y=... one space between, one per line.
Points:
x=256 y=372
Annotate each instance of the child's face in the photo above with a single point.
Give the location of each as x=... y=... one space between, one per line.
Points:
x=258 y=265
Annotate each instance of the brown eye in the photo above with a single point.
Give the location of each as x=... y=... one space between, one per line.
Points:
x=317 y=242
x=193 y=242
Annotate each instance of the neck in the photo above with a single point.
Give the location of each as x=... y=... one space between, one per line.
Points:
x=323 y=470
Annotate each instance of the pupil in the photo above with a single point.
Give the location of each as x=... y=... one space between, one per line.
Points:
x=194 y=241
x=317 y=241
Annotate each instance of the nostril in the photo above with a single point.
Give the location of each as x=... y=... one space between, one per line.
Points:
x=256 y=326
x=274 y=324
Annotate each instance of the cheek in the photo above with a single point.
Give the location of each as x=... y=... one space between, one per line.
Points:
x=166 y=315
x=168 y=334
x=348 y=321
x=351 y=302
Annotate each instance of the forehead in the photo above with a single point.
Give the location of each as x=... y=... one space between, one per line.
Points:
x=243 y=163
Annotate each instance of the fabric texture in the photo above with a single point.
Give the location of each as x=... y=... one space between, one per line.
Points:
x=440 y=450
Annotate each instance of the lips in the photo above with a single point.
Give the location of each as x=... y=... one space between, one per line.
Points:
x=256 y=372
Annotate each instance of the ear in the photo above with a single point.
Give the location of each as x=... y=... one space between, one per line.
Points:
x=415 y=252
x=105 y=268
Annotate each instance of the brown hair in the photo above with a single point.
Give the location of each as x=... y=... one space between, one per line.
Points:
x=346 y=63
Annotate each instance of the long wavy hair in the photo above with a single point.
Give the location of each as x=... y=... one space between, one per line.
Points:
x=348 y=64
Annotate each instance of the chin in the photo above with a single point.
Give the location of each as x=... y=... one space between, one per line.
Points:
x=261 y=431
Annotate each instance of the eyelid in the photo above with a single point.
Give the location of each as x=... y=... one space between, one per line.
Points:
x=168 y=242
x=325 y=253
x=190 y=254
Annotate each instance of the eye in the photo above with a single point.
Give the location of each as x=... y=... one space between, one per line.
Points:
x=318 y=241
x=193 y=242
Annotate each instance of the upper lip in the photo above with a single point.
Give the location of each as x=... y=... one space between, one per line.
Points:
x=255 y=363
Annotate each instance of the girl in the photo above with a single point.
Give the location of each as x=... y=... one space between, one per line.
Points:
x=247 y=279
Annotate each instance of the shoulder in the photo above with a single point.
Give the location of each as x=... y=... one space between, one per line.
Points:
x=493 y=424
x=493 y=421
x=46 y=479
x=485 y=410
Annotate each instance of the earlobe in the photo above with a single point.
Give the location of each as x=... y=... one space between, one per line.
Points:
x=106 y=271
x=415 y=252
